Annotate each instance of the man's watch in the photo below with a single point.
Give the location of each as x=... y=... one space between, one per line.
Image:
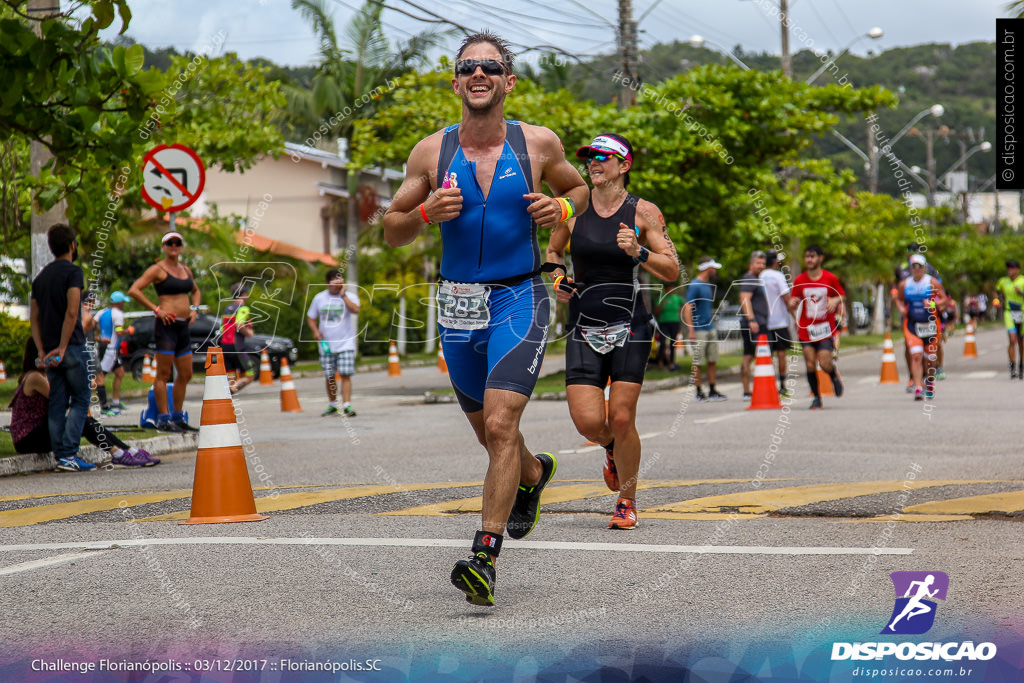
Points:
x=642 y=255
x=194 y=308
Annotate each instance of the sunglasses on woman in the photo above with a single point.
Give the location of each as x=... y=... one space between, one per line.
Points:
x=604 y=157
x=174 y=243
x=491 y=67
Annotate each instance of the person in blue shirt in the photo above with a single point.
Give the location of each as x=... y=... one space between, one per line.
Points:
x=480 y=181
x=111 y=331
x=699 y=318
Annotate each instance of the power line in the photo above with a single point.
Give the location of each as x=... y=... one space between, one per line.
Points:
x=824 y=24
x=842 y=13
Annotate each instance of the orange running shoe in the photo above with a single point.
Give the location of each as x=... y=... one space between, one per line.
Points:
x=611 y=475
x=625 y=515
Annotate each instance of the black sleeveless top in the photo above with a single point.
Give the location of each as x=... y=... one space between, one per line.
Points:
x=173 y=285
x=607 y=291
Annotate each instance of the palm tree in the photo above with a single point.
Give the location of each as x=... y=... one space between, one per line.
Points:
x=1015 y=8
x=347 y=83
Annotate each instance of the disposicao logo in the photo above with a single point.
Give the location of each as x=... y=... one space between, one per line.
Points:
x=914 y=611
x=913 y=614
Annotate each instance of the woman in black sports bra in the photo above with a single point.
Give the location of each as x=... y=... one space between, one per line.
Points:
x=610 y=328
x=179 y=304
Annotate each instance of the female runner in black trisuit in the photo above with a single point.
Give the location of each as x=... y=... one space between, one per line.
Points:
x=610 y=328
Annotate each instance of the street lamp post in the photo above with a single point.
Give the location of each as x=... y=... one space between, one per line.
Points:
x=874 y=34
x=935 y=110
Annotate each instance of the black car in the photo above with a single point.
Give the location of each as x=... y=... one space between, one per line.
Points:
x=204 y=333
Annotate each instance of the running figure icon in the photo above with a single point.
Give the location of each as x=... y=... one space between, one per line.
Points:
x=917 y=594
x=915 y=607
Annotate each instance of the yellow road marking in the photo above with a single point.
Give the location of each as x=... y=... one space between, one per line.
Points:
x=49 y=513
x=94 y=493
x=1011 y=501
x=290 y=501
x=556 y=494
x=767 y=500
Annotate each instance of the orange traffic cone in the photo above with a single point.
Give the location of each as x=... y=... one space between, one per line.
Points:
x=825 y=387
x=221 y=491
x=289 y=399
x=766 y=393
x=394 y=367
x=970 y=349
x=147 y=371
x=442 y=364
x=890 y=373
x=266 y=374
x=3 y=372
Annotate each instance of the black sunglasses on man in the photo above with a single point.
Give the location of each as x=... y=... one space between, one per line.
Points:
x=490 y=67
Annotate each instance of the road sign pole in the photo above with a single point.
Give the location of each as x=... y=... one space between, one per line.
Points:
x=171 y=218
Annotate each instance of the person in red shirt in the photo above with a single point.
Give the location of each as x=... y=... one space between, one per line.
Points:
x=815 y=296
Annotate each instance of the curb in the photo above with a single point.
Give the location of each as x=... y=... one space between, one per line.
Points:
x=44 y=462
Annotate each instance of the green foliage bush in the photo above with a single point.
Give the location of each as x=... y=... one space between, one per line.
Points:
x=13 y=333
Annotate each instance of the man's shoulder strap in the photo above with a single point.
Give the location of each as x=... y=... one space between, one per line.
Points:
x=449 y=146
x=517 y=141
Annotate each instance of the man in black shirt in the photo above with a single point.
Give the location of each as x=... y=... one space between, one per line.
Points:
x=57 y=330
x=753 y=315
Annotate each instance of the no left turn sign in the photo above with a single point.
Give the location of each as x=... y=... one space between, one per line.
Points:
x=173 y=176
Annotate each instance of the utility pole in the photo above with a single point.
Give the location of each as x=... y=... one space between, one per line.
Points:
x=929 y=141
x=39 y=155
x=787 y=65
x=628 y=52
x=872 y=161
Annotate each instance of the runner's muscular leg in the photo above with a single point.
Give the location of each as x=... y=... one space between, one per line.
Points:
x=622 y=402
x=586 y=408
x=509 y=463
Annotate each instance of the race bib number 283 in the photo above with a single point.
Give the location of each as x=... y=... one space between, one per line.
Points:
x=463 y=306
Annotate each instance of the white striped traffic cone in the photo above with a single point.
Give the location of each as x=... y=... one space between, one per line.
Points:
x=394 y=366
x=147 y=371
x=289 y=399
x=766 y=393
x=266 y=374
x=890 y=373
x=3 y=372
x=442 y=364
x=221 y=491
x=970 y=348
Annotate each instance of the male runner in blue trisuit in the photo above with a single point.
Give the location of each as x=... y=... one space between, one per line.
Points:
x=480 y=180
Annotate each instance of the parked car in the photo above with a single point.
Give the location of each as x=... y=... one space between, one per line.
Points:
x=204 y=333
x=727 y=321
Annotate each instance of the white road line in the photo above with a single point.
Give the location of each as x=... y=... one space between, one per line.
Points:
x=867 y=380
x=720 y=418
x=48 y=562
x=591 y=449
x=458 y=543
x=981 y=374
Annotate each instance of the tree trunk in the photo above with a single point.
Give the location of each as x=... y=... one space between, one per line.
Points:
x=38 y=156
x=878 y=318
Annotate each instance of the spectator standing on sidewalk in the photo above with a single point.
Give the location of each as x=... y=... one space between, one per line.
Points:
x=753 y=315
x=55 y=315
x=776 y=290
x=111 y=330
x=332 y=318
x=699 y=318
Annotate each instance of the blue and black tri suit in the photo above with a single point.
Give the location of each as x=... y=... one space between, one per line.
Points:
x=492 y=243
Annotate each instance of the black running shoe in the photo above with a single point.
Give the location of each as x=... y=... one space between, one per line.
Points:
x=837 y=385
x=526 y=509
x=171 y=427
x=816 y=403
x=185 y=426
x=475 y=577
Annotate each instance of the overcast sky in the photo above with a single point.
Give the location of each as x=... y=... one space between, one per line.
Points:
x=271 y=29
